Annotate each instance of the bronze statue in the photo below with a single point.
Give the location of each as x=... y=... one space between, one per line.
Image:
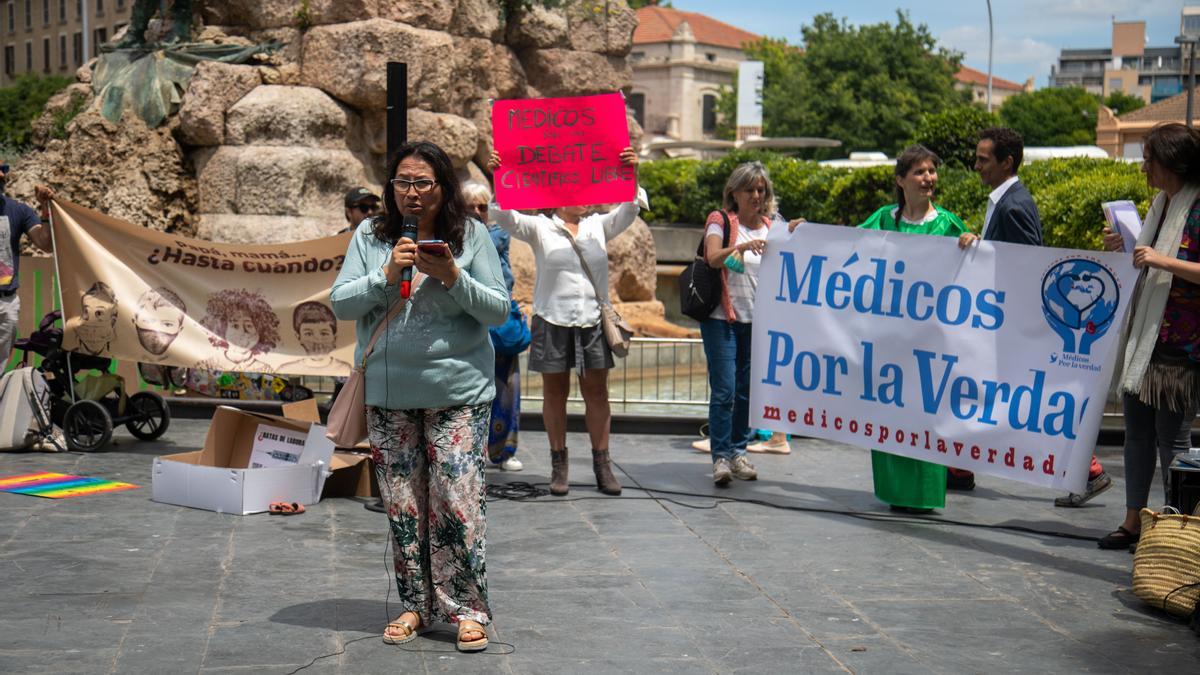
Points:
x=144 y=10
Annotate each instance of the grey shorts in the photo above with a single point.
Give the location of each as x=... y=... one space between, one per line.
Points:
x=561 y=349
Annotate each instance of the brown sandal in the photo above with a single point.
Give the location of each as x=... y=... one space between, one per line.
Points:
x=468 y=626
x=410 y=633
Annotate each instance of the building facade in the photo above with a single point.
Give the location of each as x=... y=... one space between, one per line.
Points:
x=55 y=37
x=680 y=62
x=1121 y=136
x=975 y=81
x=1127 y=64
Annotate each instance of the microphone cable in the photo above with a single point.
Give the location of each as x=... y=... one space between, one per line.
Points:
x=520 y=491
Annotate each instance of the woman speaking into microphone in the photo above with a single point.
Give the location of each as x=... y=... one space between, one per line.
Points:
x=429 y=386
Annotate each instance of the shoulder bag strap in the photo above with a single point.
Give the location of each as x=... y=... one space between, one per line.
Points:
x=391 y=315
x=704 y=235
x=583 y=263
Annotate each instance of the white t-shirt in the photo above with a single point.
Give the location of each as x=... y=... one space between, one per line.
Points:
x=741 y=286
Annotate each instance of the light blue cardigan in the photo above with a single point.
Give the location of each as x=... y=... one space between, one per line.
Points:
x=437 y=352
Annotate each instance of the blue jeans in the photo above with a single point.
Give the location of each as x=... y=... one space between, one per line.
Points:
x=727 y=348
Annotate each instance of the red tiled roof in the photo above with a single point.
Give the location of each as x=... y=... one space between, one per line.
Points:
x=658 y=24
x=1172 y=109
x=968 y=75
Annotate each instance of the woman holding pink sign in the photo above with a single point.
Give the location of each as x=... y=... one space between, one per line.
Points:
x=566 y=329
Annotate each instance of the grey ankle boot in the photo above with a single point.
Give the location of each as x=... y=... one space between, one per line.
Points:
x=558 y=472
x=606 y=482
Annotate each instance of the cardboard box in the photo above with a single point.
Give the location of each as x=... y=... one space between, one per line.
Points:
x=353 y=476
x=219 y=477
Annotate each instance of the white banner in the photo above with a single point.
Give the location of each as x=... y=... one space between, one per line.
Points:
x=996 y=359
x=750 y=94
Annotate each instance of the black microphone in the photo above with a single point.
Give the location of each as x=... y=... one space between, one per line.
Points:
x=407 y=230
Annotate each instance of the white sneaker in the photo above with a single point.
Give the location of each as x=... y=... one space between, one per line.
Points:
x=511 y=464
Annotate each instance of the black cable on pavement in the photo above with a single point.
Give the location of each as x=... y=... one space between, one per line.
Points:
x=522 y=491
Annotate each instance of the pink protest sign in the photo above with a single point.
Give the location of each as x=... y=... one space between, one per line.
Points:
x=561 y=152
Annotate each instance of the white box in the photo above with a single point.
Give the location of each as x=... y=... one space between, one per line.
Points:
x=217 y=477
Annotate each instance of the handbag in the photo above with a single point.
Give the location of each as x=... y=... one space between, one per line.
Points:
x=511 y=337
x=617 y=332
x=347 y=421
x=699 y=283
x=1166 y=564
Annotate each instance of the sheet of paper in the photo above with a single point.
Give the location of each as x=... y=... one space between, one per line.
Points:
x=276 y=446
x=1123 y=217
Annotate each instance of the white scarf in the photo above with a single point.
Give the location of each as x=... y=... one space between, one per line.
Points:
x=1141 y=330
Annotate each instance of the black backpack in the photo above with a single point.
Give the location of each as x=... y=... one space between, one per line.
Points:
x=700 y=284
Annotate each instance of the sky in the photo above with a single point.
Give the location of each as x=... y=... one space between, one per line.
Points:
x=1028 y=33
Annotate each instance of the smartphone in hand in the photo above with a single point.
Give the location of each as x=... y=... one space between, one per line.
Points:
x=435 y=247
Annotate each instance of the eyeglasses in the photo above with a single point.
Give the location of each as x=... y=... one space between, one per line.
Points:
x=478 y=208
x=366 y=208
x=421 y=186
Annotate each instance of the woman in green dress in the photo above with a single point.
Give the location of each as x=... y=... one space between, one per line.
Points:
x=910 y=484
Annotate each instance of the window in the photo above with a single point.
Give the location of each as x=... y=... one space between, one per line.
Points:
x=120 y=5
x=28 y=14
x=99 y=37
x=62 y=50
x=78 y=9
x=1114 y=84
x=709 y=108
x=1191 y=25
x=77 y=49
x=711 y=56
x=62 y=11
x=10 y=60
x=45 y=55
x=99 y=7
x=637 y=104
x=28 y=56
x=45 y=12
x=12 y=17
x=637 y=56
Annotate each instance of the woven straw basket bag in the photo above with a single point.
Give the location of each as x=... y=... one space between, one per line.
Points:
x=1166 y=564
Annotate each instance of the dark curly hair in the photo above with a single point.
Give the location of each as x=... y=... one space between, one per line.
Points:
x=221 y=307
x=450 y=224
x=1005 y=143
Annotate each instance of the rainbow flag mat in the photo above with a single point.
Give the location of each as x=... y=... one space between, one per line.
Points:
x=60 y=485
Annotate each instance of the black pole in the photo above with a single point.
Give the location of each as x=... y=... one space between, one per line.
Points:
x=397 y=135
x=1191 y=81
x=397 y=106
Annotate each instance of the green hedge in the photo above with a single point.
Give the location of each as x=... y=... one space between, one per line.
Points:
x=1068 y=192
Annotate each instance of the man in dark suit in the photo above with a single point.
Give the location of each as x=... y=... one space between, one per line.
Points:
x=1012 y=216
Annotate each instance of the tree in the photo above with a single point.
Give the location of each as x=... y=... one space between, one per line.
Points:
x=953 y=133
x=1053 y=116
x=21 y=103
x=867 y=86
x=1121 y=103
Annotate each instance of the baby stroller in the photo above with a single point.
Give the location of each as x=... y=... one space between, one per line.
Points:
x=87 y=409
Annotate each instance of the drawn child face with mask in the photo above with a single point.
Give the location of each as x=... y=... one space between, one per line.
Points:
x=96 y=326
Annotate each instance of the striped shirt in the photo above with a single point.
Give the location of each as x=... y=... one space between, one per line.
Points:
x=741 y=286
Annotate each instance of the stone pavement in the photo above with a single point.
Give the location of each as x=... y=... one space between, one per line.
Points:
x=119 y=584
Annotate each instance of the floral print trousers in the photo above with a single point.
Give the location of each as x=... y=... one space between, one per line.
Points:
x=429 y=463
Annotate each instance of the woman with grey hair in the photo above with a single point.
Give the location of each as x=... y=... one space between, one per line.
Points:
x=506 y=407
x=748 y=210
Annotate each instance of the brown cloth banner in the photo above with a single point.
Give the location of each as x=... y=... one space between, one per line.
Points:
x=131 y=293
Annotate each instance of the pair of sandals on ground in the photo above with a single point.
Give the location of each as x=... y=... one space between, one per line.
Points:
x=471 y=635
